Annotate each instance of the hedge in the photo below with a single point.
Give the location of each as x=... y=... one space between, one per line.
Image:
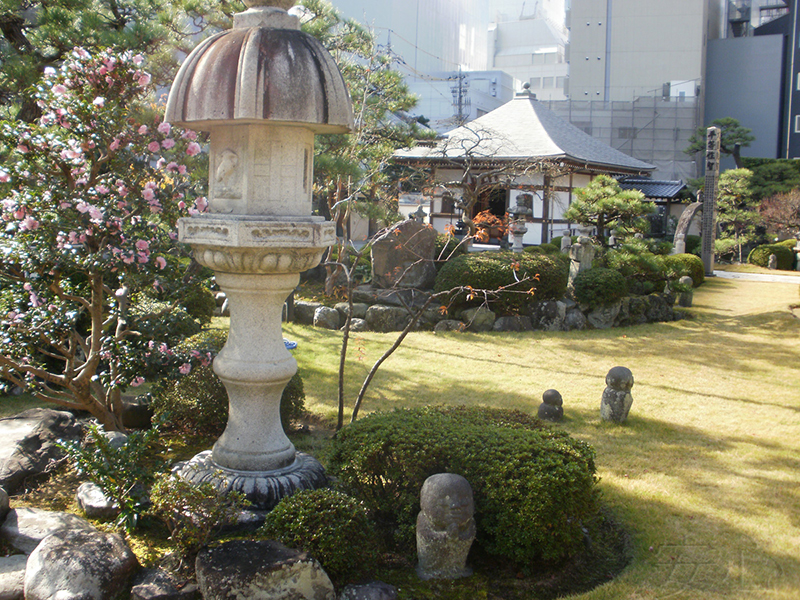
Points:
x=534 y=487
x=692 y=264
x=599 y=286
x=760 y=256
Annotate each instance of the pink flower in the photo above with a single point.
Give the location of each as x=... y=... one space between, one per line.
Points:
x=189 y=135
x=23 y=149
x=193 y=148
x=144 y=79
x=82 y=207
x=101 y=189
x=164 y=127
x=114 y=145
x=99 y=101
x=142 y=130
x=142 y=244
x=154 y=146
x=4 y=176
x=138 y=60
x=161 y=262
x=181 y=204
x=95 y=213
x=182 y=169
x=59 y=89
x=29 y=224
x=137 y=381
x=201 y=203
x=148 y=194
x=172 y=167
x=167 y=143
x=185 y=368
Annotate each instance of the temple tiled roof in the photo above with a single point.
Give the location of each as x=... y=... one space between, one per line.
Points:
x=524 y=128
x=653 y=188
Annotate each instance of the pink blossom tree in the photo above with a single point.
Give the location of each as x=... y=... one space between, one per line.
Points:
x=91 y=275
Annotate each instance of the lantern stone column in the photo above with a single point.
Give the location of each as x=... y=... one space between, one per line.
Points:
x=262 y=91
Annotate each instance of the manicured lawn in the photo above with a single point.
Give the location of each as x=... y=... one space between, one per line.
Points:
x=706 y=472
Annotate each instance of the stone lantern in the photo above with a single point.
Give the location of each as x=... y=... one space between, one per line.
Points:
x=518 y=216
x=262 y=90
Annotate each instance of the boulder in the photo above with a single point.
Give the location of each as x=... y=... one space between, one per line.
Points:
x=633 y=311
x=660 y=308
x=549 y=315
x=574 y=320
x=449 y=325
x=359 y=310
x=158 y=584
x=262 y=569
x=24 y=528
x=12 y=576
x=387 y=318
x=374 y=590
x=403 y=256
x=4 y=505
x=357 y=325
x=136 y=412
x=326 y=318
x=603 y=317
x=79 y=565
x=304 y=311
x=366 y=294
x=479 y=319
x=94 y=503
x=514 y=323
x=28 y=443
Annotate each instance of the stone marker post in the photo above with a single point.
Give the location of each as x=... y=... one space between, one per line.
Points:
x=713 y=136
x=262 y=90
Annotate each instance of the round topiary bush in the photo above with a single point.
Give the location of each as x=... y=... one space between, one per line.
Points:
x=550 y=248
x=197 y=402
x=331 y=526
x=692 y=264
x=599 y=286
x=545 y=275
x=534 y=487
x=759 y=256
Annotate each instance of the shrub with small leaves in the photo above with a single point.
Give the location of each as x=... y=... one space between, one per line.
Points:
x=331 y=526
x=599 y=287
x=533 y=486
x=447 y=247
x=197 y=402
x=693 y=244
x=692 y=264
x=193 y=513
x=759 y=256
x=524 y=278
x=121 y=471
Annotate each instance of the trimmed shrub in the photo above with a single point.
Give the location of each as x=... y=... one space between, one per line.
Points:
x=660 y=248
x=197 y=403
x=643 y=271
x=556 y=241
x=447 y=247
x=690 y=263
x=599 y=286
x=789 y=242
x=493 y=270
x=760 y=256
x=199 y=302
x=550 y=248
x=331 y=526
x=534 y=487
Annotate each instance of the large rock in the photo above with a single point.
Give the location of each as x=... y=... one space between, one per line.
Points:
x=479 y=319
x=513 y=323
x=12 y=576
x=260 y=570
x=387 y=318
x=660 y=308
x=79 y=565
x=603 y=317
x=158 y=584
x=304 y=311
x=326 y=318
x=94 y=503
x=403 y=256
x=28 y=443
x=4 y=505
x=449 y=325
x=574 y=320
x=24 y=528
x=359 y=310
x=633 y=311
x=374 y=590
x=369 y=295
x=549 y=315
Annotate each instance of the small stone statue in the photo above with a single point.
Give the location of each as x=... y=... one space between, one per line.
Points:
x=551 y=409
x=581 y=256
x=685 y=298
x=445 y=527
x=566 y=243
x=772 y=262
x=617 y=398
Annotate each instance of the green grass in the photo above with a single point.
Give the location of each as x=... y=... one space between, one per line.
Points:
x=706 y=472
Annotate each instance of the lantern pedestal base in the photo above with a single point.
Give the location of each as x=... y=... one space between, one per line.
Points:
x=264 y=489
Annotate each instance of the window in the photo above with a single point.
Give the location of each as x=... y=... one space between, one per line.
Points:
x=561 y=82
x=798 y=82
x=536 y=82
x=547 y=82
x=797 y=123
x=627 y=133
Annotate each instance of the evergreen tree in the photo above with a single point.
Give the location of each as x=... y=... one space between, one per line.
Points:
x=733 y=137
x=737 y=212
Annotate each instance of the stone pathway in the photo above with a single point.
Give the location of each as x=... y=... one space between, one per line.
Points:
x=758 y=277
